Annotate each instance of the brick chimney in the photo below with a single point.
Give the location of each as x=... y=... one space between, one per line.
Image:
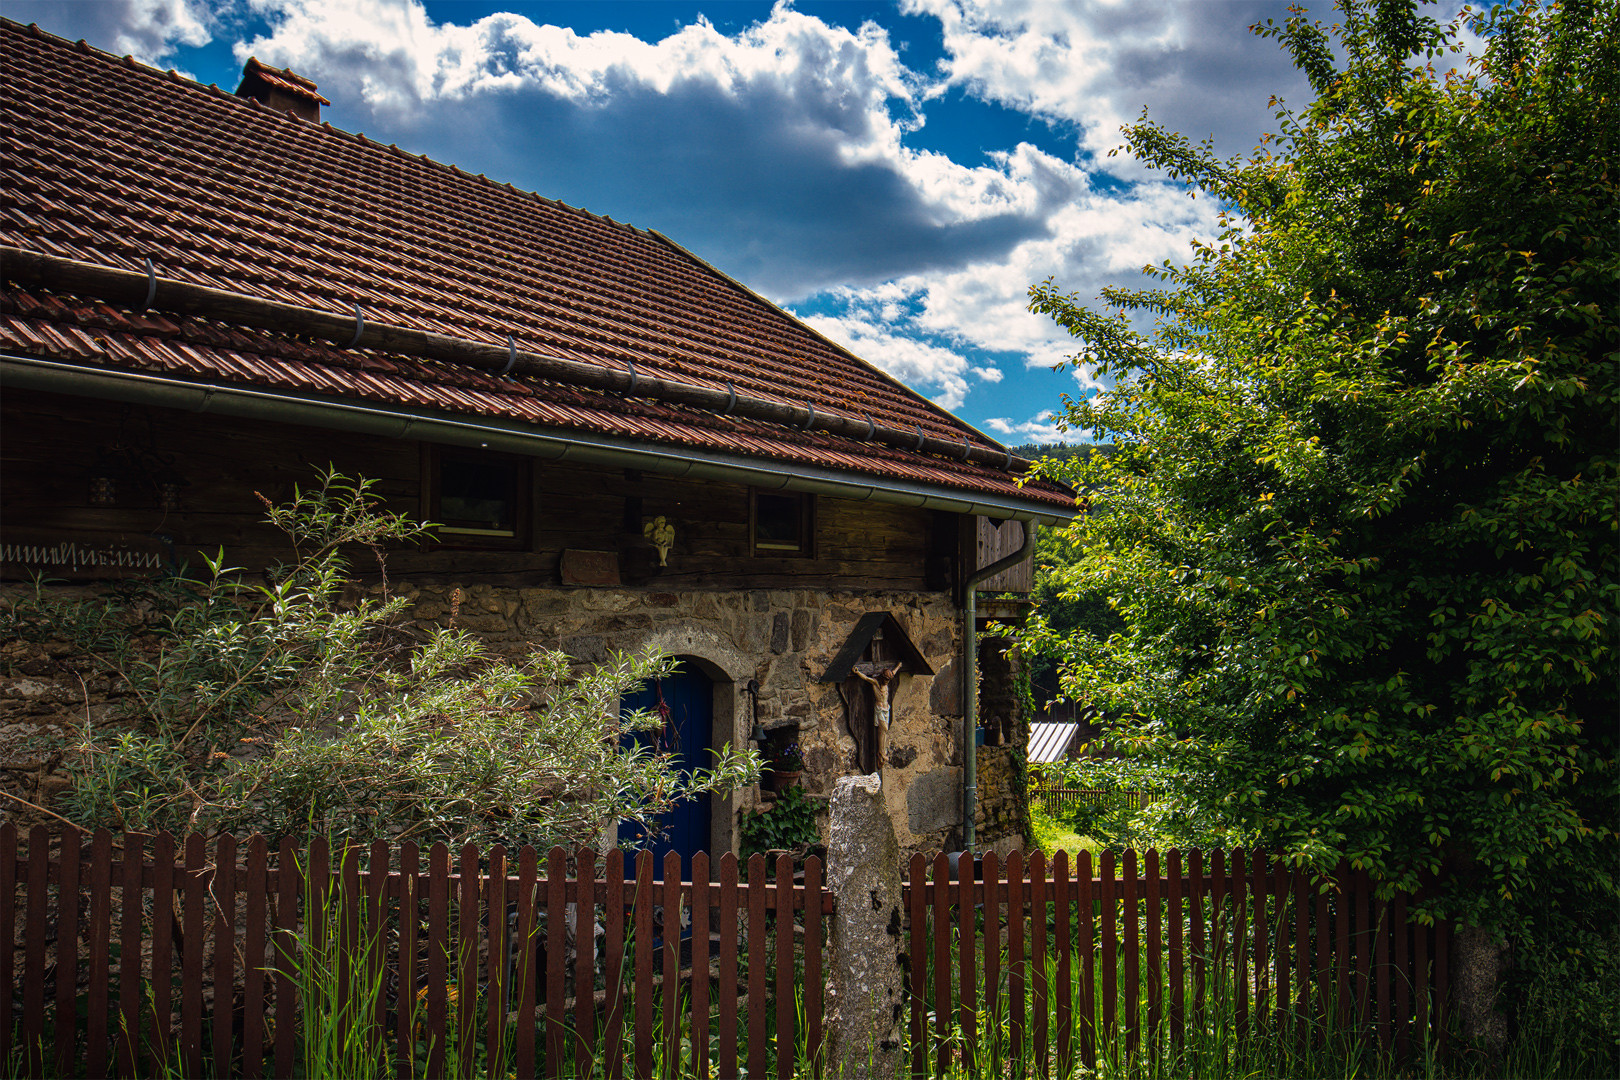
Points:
x=280 y=89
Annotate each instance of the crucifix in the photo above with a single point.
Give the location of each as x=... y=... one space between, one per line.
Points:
x=879 y=677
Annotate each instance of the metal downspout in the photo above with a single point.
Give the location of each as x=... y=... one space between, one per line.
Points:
x=970 y=668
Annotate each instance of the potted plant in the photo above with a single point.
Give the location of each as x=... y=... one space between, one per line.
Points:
x=788 y=767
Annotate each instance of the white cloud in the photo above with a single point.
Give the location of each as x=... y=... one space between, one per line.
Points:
x=1041 y=428
x=149 y=30
x=1096 y=64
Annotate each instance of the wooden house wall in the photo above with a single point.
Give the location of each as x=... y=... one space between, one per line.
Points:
x=49 y=444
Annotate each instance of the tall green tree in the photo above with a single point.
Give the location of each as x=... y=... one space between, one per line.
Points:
x=1362 y=524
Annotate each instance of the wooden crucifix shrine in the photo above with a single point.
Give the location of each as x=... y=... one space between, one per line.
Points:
x=867 y=670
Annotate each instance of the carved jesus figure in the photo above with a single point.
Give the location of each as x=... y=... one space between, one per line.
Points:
x=879 y=676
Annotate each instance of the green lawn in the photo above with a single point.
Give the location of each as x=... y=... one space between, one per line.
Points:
x=1053 y=836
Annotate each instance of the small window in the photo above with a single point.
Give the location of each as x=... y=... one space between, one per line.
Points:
x=782 y=524
x=477 y=499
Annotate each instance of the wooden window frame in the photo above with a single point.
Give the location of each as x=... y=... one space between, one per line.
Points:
x=451 y=536
x=806 y=548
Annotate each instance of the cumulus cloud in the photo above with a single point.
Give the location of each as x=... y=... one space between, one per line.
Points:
x=1040 y=428
x=149 y=30
x=1096 y=64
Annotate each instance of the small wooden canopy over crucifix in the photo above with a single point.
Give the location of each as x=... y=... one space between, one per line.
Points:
x=867 y=670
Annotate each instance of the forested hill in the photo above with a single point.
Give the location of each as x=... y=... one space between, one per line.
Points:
x=1062 y=450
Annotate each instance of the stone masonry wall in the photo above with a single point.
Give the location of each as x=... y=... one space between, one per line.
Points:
x=784 y=639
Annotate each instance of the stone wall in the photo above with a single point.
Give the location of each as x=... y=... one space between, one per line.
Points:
x=784 y=639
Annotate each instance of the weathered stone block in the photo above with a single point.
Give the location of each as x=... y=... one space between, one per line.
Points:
x=780 y=625
x=865 y=992
x=945 y=696
x=934 y=800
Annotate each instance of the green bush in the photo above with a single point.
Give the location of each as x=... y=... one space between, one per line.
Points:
x=788 y=824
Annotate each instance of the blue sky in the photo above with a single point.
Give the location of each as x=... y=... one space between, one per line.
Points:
x=896 y=173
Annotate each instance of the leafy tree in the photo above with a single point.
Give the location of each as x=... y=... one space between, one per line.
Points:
x=279 y=707
x=1362 y=524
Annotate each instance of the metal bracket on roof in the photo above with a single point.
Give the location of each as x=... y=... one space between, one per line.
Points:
x=1008 y=467
x=359 y=327
x=634 y=378
x=731 y=398
x=511 y=357
x=871 y=428
x=151 y=287
x=966 y=449
x=918 y=447
x=811 y=422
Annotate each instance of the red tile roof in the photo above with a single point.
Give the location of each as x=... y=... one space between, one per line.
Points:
x=109 y=162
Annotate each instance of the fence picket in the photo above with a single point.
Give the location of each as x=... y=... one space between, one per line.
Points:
x=8 y=914
x=286 y=927
x=1110 y=944
x=438 y=955
x=967 y=984
x=1240 y=939
x=992 y=948
x=410 y=918
x=254 y=890
x=671 y=932
x=757 y=963
x=1155 y=956
x=918 y=969
x=224 y=935
x=585 y=963
x=1381 y=969
x=1194 y=890
x=33 y=988
x=1175 y=912
x=527 y=973
x=698 y=1023
x=1258 y=887
x=1087 y=1005
x=1038 y=954
x=1016 y=1043
x=812 y=962
x=67 y=956
x=1065 y=984
x=726 y=1045
x=942 y=963
x=785 y=1034
x=613 y=880
x=496 y=952
x=1360 y=909
x=467 y=897
x=556 y=947
x=1133 y=952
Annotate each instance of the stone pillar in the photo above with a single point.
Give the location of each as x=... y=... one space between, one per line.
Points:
x=866 y=990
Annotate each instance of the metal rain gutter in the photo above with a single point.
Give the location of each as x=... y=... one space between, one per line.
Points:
x=142 y=388
x=970 y=673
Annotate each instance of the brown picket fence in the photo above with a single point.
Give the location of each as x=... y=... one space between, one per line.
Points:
x=1061 y=797
x=569 y=963
x=1036 y=962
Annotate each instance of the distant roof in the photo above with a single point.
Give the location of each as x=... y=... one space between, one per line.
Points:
x=1049 y=742
x=111 y=163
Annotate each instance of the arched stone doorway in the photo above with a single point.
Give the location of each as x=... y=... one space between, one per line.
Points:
x=706 y=661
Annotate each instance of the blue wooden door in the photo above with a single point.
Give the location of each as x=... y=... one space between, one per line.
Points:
x=686 y=701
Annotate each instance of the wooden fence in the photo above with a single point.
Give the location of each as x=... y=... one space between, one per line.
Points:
x=1035 y=962
x=1058 y=797
x=128 y=953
